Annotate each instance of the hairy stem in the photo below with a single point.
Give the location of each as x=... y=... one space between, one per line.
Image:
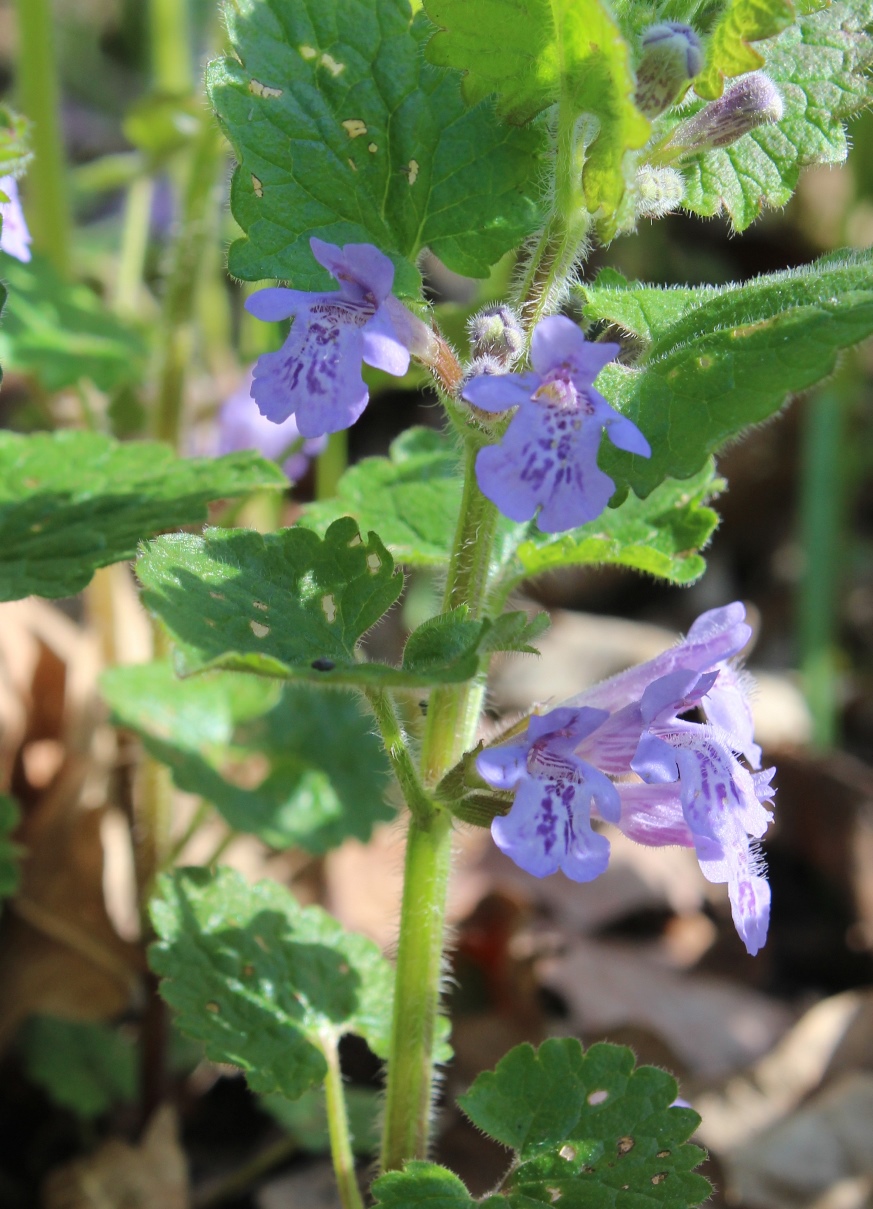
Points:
x=453 y=712
x=48 y=208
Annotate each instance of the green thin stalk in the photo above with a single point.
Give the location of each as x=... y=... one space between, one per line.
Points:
x=338 y=1132
x=822 y=504
x=47 y=199
x=170 y=40
x=200 y=209
x=453 y=713
x=330 y=465
x=134 y=245
x=399 y=756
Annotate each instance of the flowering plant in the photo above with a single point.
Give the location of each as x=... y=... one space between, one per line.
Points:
x=579 y=420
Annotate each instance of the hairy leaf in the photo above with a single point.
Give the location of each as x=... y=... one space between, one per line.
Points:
x=587 y=1128
x=265 y=984
x=342 y=131
x=732 y=360
x=729 y=52
x=533 y=53
x=71 y=502
x=295 y=606
x=15 y=151
x=61 y=332
x=819 y=65
x=321 y=772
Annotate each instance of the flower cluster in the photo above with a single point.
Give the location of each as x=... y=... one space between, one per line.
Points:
x=689 y=788
x=547 y=459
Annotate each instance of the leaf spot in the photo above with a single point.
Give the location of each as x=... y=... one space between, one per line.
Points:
x=554 y=1195
x=625 y=1144
x=328 y=605
x=259 y=604
x=351 y=163
x=567 y=1152
x=663 y=1154
x=261 y=943
x=257 y=186
x=354 y=127
x=248 y=971
x=259 y=631
x=217 y=595
x=328 y=62
x=213 y=1007
x=705 y=362
x=374 y=562
x=412 y=171
x=307 y=52
x=660 y=1177
x=36 y=527
x=598 y=1097
x=372 y=148
x=263 y=90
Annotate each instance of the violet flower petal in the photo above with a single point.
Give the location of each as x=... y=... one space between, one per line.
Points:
x=500 y=392
x=382 y=348
x=14 y=237
x=558 y=341
x=274 y=303
x=503 y=767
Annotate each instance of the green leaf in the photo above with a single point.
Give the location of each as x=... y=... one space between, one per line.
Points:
x=82 y=1066
x=660 y=535
x=732 y=361
x=10 y=852
x=534 y=53
x=15 y=150
x=819 y=65
x=729 y=52
x=588 y=1129
x=294 y=606
x=412 y=498
x=71 y=502
x=60 y=332
x=265 y=984
x=321 y=773
x=342 y=131
x=306 y=1119
x=424 y=1185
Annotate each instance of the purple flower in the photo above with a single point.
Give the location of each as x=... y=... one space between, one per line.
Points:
x=241 y=426
x=548 y=456
x=693 y=789
x=549 y=825
x=14 y=237
x=316 y=375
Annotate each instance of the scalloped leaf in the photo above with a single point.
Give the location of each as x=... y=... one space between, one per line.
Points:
x=342 y=131
x=729 y=51
x=264 y=983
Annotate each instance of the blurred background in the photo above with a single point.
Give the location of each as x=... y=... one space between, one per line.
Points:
x=99 y=1099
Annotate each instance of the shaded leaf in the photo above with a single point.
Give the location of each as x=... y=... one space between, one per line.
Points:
x=61 y=332
x=71 y=502
x=295 y=606
x=320 y=771
x=84 y=1067
x=10 y=872
x=342 y=131
x=265 y=984
x=534 y=53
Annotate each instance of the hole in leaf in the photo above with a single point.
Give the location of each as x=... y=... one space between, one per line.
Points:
x=567 y=1152
x=259 y=631
x=374 y=562
x=328 y=606
x=598 y=1097
x=623 y=1145
x=357 y=540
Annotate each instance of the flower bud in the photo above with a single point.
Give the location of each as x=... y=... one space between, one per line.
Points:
x=659 y=190
x=496 y=334
x=748 y=101
x=671 y=58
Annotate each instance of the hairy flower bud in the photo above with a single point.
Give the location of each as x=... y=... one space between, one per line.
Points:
x=748 y=101
x=671 y=58
x=659 y=191
x=497 y=334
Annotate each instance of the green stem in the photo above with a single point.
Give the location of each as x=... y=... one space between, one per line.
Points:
x=822 y=504
x=200 y=209
x=399 y=756
x=338 y=1131
x=169 y=32
x=330 y=465
x=453 y=713
x=134 y=245
x=47 y=193
x=552 y=261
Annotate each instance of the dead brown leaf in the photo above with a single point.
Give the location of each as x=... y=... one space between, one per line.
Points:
x=152 y=1175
